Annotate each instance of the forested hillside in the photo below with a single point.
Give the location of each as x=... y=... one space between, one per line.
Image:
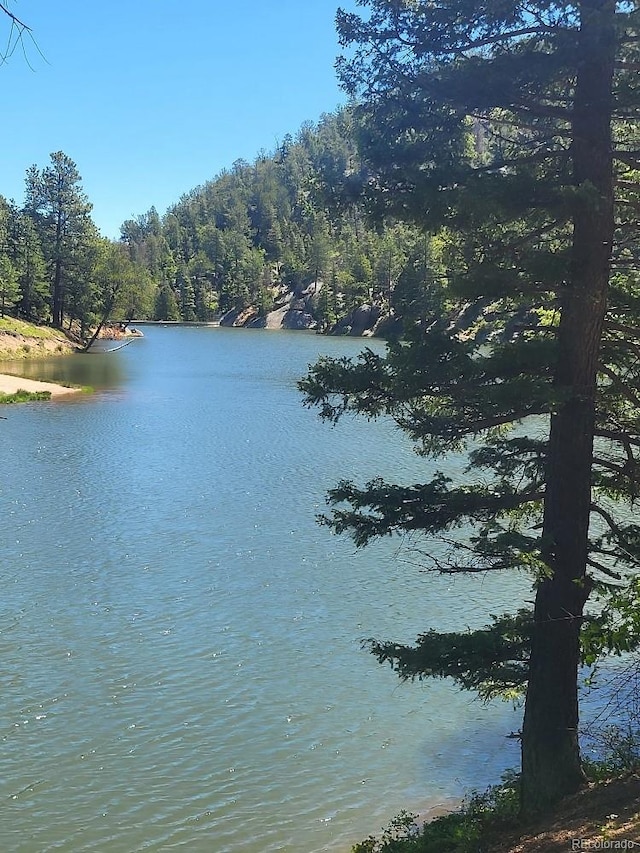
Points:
x=283 y=241
x=284 y=232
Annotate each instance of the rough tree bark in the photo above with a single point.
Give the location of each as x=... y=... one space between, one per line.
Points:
x=550 y=751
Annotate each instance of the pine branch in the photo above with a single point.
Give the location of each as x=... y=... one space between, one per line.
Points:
x=622 y=387
x=521 y=125
x=610 y=521
x=491 y=660
x=623 y=470
x=382 y=509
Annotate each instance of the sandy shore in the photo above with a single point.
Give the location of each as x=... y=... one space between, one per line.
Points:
x=11 y=384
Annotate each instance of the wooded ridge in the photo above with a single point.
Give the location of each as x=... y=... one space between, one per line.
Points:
x=285 y=241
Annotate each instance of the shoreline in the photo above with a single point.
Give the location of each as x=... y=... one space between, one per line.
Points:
x=10 y=384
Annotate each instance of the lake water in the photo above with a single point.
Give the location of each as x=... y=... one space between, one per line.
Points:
x=180 y=660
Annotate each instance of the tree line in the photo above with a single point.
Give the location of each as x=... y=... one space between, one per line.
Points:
x=54 y=265
x=290 y=223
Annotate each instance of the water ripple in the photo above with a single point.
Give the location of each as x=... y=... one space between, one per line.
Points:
x=180 y=659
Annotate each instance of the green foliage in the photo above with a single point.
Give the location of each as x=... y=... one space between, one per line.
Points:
x=166 y=305
x=467 y=830
x=505 y=133
x=60 y=211
x=618 y=749
x=9 y=289
x=290 y=219
x=54 y=266
x=22 y=396
x=616 y=628
x=492 y=661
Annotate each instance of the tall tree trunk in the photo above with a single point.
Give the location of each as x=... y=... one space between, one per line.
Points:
x=550 y=750
x=56 y=307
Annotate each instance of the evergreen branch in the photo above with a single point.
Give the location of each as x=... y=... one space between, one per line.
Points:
x=454 y=569
x=457 y=427
x=631 y=158
x=609 y=520
x=626 y=344
x=537 y=157
x=627 y=470
x=509 y=36
x=492 y=660
x=462 y=48
x=521 y=125
x=626 y=185
x=541 y=110
x=443 y=567
x=622 y=387
x=382 y=509
x=530 y=236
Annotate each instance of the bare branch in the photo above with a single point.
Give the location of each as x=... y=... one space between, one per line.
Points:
x=605 y=571
x=16 y=35
x=611 y=466
x=614 y=326
x=617 y=435
x=18 y=23
x=608 y=519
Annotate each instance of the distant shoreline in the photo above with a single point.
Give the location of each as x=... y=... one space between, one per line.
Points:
x=214 y=323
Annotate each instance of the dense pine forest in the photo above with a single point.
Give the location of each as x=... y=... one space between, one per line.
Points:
x=288 y=233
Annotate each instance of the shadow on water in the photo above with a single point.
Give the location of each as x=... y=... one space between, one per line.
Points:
x=100 y=371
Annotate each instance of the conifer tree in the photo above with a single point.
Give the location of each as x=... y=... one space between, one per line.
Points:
x=512 y=127
x=61 y=212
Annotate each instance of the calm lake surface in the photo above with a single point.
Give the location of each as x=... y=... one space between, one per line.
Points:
x=180 y=660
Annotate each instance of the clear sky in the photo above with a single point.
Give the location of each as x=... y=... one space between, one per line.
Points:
x=151 y=98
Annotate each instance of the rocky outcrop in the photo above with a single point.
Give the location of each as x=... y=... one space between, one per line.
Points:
x=292 y=310
x=239 y=317
x=360 y=322
x=296 y=310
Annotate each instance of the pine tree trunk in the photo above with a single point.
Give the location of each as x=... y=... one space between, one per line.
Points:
x=550 y=750
x=56 y=308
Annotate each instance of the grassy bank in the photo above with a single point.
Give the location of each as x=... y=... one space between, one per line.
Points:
x=25 y=340
x=22 y=396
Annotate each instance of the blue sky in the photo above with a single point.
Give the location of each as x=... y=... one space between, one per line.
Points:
x=152 y=97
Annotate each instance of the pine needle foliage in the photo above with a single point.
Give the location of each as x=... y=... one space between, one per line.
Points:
x=510 y=131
